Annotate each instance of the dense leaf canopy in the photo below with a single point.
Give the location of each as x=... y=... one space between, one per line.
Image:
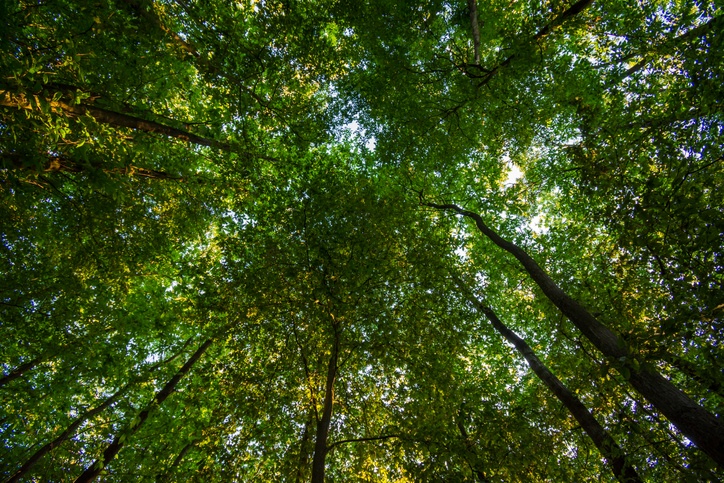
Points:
x=387 y=240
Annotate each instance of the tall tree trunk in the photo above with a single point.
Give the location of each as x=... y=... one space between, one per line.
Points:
x=320 y=443
x=605 y=443
x=304 y=447
x=71 y=429
x=473 y=9
x=182 y=454
x=112 y=450
x=694 y=422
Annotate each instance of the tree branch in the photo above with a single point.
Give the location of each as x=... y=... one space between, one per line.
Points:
x=105 y=116
x=572 y=11
x=361 y=440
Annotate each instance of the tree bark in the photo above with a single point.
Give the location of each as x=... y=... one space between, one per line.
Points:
x=694 y=422
x=105 y=116
x=304 y=448
x=473 y=8
x=605 y=443
x=320 y=443
x=112 y=450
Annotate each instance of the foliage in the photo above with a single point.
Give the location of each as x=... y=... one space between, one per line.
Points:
x=263 y=175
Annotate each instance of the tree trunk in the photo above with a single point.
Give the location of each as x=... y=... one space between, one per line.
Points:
x=473 y=9
x=572 y=11
x=605 y=443
x=112 y=450
x=182 y=454
x=304 y=447
x=694 y=422
x=320 y=443
x=105 y=116
x=70 y=430
x=64 y=164
x=475 y=468
x=699 y=31
x=20 y=370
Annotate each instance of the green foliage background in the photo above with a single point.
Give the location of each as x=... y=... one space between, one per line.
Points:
x=255 y=171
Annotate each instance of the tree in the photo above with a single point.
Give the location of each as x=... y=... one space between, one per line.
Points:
x=256 y=174
x=608 y=447
x=693 y=420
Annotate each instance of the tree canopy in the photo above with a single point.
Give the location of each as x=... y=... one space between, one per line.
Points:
x=383 y=241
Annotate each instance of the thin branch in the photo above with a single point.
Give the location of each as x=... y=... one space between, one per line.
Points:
x=361 y=440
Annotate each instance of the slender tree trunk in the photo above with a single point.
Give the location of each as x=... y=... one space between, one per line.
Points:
x=112 y=450
x=320 y=443
x=572 y=11
x=32 y=364
x=71 y=429
x=699 y=31
x=64 y=164
x=304 y=448
x=105 y=116
x=605 y=443
x=694 y=422
x=20 y=370
x=182 y=454
x=473 y=8
x=479 y=474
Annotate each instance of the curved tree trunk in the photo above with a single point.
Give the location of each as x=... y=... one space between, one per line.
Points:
x=605 y=443
x=694 y=422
